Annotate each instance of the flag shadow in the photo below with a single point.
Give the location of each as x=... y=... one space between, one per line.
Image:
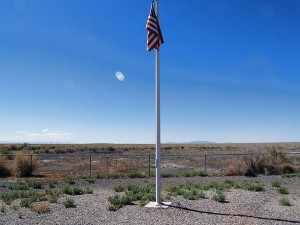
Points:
x=235 y=215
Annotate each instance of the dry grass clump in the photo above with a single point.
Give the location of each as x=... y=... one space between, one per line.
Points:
x=40 y=207
x=4 y=168
x=235 y=167
x=24 y=164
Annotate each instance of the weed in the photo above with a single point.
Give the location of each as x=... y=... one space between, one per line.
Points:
x=36 y=184
x=69 y=203
x=69 y=180
x=26 y=202
x=99 y=176
x=10 y=197
x=276 y=184
x=291 y=175
x=52 y=183
x=257 y=187
x=284 y=202
x=136 y=175
x=283 y=190
x=119 y=188
x=68 y=190
x=167 y=175
x=90 y=180
x=2 y=209
x=78 y=191
x=88 y=191
x=194 y=194
x=18 y=186
x=219 y=197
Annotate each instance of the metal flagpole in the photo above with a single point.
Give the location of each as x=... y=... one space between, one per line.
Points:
x=158 y=203
x=158 y=149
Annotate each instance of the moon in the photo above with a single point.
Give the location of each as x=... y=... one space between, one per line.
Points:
x=120 y=76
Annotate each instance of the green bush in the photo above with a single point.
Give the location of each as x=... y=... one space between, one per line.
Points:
x=69 y=180
x=119 y=188
x=283 y=190
x=36 y=184
x=69 y=203
x=136 y=175
x=284 y=202
x=219 y=197
x=19 y=186
x=257 y=187
x=90 y=180
x=276 y=184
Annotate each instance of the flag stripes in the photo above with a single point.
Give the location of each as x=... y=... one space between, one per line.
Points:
x=154 y=38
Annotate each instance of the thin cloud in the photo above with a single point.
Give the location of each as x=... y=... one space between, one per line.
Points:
x=44 y=136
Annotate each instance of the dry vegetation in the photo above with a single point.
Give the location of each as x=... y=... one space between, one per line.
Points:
x=23 y=160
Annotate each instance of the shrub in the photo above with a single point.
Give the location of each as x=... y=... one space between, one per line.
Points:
x=288 y=168
x=194 y=194
x=24 y=164
x=136 y=175
x=119 y=188
x=4 y=169
x=291 y=175
x=283 y=190
x=167 y=175
x=272 y=169
x=52 y=183
x=90 y=180
x=284 y=202
x=69 y=203
x=69 y=180
x=254 y=164
x=276 y=157
x=18 y=186
x=219 y=197
x=276 y=184
x=26 y=202
x=253 y=187
x=36 y=184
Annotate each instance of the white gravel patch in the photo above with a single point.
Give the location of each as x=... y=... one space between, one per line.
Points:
x=242 y=207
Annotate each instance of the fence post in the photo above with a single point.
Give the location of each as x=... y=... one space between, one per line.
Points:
x=205 y=169
x=90 y=165
x=149 y=165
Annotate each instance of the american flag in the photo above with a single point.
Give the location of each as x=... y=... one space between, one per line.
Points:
x=155 y=38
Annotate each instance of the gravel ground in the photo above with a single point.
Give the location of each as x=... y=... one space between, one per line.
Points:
x=242 y=207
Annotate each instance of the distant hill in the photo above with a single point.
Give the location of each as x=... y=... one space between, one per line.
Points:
x=192 y=142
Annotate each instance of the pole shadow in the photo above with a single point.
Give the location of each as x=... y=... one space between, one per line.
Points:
x=236 y=215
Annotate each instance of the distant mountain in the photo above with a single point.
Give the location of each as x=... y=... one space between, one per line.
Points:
x=192 y=142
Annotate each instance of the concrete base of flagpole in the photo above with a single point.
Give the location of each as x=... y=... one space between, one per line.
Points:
x=161 y=205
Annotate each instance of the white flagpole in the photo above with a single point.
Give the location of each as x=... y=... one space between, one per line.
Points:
x=158 y=149
x=158 y=203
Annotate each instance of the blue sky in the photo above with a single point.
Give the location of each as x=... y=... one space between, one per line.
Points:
x=229 y=71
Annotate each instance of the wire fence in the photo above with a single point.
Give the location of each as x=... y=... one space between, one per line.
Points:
x=57 y=165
